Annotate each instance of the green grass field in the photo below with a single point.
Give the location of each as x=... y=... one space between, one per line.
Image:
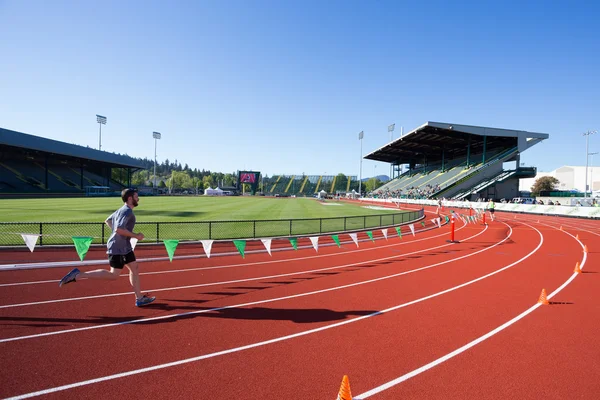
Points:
x=169 y=209
x=186 y=218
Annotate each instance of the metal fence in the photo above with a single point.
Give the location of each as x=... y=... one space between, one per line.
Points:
x=60 y=233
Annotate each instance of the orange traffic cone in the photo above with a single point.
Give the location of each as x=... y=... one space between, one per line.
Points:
x=585 y=249
x=344 y=393
x=577 y=268
x=543 y=299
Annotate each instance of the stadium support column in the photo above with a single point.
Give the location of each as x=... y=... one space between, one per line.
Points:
x=443 y=159
x=46 y=172
x=469 y=152
x=360 y=138
x=484 y=146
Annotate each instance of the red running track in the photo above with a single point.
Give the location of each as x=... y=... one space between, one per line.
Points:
x=403 y=318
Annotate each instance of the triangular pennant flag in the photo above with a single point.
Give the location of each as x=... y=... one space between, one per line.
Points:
x=432 y=221
x=439 y=222
x=336 y=239
x=447 y=219
x=207 y=245
x=412 y=229
x=423 y=223
x=30 y=240
x=133 y=241
x=267 y=243
x=354 y=237
x=82 y=245
x=171 y=245
x=315 y=242
x=384 y=232
x=399 y=232
x=370 y=235
x=294 y=242
x=240 y=245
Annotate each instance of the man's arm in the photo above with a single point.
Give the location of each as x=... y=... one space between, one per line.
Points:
x=122 y=231
x=126 y=233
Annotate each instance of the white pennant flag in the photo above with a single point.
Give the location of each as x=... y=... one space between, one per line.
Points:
x=315 y=242
x=354 y=237
x=412 y=229
x=439 y=222
x=133 y=242
x=267 y=243
x=432 y=221
x=207 y=244
x=30 y=240
x=384 y=232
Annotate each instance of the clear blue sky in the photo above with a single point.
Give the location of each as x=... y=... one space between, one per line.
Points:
x=285 y=87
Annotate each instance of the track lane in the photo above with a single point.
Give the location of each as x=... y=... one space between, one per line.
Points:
x=205 y=336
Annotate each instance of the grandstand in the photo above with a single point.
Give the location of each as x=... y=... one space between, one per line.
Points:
x=35 y=166
x=456 y=162
x=308 y=185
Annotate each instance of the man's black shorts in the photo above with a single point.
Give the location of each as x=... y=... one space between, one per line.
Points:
x=118 y=261
x=492 y=210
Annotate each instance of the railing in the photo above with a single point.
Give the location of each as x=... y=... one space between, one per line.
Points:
x=59 y=233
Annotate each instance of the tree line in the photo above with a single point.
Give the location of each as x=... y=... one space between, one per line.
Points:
x=174 y=175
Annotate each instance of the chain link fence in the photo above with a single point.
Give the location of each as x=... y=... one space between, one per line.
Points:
x=59 y=233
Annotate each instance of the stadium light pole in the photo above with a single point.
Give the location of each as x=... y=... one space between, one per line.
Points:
x=592 y=174
x=156 y=136
x=360 y=138
x=587 y=157
x=391 y=131
x=101 y=121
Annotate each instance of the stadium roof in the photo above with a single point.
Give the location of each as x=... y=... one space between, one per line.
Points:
x=432 y=138
x=36 y=143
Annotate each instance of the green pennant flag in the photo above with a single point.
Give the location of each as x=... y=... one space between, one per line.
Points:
x=370 y=235
x=171 y=245
x=423 y=223
x=294 y=242
x=241 y=246
x=399 y=232
x=82 y=245
x=447 y=219
x=336 y=239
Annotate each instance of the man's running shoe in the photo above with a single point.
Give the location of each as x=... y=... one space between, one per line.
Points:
x=70 y=277
x=144 y=300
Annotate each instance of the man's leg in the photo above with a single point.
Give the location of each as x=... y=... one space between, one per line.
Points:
x=134 y=278
x=103 y=274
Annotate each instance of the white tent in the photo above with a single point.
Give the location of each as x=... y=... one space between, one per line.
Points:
x=322 y=194
x=213 y=192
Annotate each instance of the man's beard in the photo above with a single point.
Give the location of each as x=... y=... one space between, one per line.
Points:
x=134 y=203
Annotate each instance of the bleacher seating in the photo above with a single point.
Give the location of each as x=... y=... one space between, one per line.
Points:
x=429 y=181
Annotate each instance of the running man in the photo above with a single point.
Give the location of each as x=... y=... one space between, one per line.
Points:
x=491 y=206
x=120 y=253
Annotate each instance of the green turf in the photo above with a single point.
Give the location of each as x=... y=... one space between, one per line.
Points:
x=186 y=218
x=164 y=209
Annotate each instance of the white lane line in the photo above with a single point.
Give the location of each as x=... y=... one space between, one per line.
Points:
x=103 y=262
x=469 y=345
x=232 y=281
x=271 y=341
x=162 y=317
